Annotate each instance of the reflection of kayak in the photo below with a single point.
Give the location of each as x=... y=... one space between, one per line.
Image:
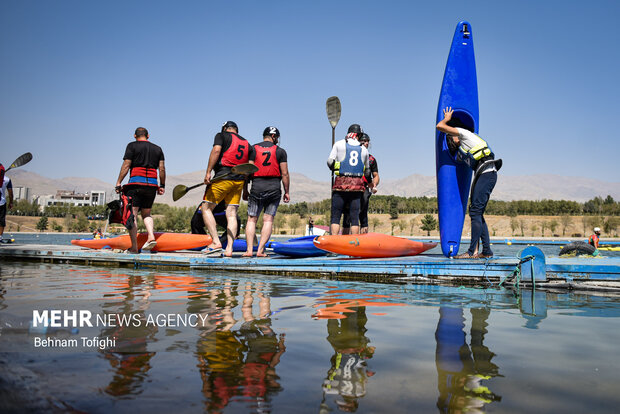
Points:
x=7 y=241
x=166 y=242
x=371 y=245
x=298 y=247
x=610 y=248
x=459 y=90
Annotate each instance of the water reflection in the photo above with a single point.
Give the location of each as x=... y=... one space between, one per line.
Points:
x=346 y=380
x=463 y=371
x=130 y=358
x=240 y=363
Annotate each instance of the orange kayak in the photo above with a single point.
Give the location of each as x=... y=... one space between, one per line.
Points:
x=166 y=242
x=371 y=245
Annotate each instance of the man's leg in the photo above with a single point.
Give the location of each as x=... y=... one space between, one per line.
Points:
x=265 y=234
x=354 y=211
x=364 y=202
x=2 y=219
x=148 y=223
x=209 y=219
x=231 y=216
x=250 y=232
x=336 y=212
x=480 y=198
x=133 y=233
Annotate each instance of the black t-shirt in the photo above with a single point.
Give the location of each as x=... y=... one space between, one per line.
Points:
x=266 y=187
x=143 y=154
x=224 y=139
x=369 y=173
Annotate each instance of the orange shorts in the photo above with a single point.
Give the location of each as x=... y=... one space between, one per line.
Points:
x=229 y=191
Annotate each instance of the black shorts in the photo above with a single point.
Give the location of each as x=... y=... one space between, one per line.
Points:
x=3 y=215
x=349 y=200
x=141 y=195
x=364 y=201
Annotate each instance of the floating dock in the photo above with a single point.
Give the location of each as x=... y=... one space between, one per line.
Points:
x=531 y=268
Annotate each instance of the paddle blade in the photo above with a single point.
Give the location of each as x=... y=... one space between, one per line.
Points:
x=178 y=192
x=333 y=110
x=244 y=169
x=23 y=159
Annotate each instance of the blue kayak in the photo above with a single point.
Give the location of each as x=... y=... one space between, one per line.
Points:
x=459 y=90
x=298 y=247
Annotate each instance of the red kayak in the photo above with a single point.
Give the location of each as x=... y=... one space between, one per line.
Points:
x=371 y=245
x=166 y=242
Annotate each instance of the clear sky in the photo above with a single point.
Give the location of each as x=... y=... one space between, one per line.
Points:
x=77 y=77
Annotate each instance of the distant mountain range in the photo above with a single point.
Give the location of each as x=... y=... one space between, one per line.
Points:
x=303 y=188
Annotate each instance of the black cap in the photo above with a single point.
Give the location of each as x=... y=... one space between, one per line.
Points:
x=364 y=137
x=355 y=128
x=229 y=124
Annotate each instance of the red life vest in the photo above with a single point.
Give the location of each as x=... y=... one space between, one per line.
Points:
x=266 y=161
x=143 y=176
x=237 y=153
x=593 y=240
x=1 y=175
x=121 y=211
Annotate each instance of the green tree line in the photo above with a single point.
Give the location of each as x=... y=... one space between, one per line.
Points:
x=395 y=205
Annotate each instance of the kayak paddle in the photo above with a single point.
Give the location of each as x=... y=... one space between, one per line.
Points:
x=243 y=169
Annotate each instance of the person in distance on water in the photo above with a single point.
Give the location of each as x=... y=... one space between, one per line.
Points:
x=472 y=150
x=266 y=190
x=594 y=238
x=371 y=181
x=348 y=159
x=142 y=160
x=229 y=149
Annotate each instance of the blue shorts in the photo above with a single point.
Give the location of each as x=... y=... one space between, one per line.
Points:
x=256 y=205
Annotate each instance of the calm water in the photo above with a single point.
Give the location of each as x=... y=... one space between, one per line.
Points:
x=286 y=345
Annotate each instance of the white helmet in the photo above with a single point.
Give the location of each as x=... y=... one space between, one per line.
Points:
x=597 y=229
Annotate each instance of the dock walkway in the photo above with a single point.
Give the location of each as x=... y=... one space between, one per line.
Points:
x=574 y=272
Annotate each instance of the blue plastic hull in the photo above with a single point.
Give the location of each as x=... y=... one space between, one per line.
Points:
x=459 y=90
x=298 y=247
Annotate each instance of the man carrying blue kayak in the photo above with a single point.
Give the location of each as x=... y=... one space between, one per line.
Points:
x=469 y=148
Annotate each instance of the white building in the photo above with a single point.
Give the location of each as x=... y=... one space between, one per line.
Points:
x=21 y=193
x=95 y=198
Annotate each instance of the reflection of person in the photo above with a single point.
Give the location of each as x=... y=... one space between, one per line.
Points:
x=461 y=370
x=594 y=238
x=129 y=358
x=264 y=349
x=225 y=371
x=348 y=159
x=6 y=198
x=371 y=181
x=472 y=150
x=229 y=149
x=346 y=379
x=142 y=160
x=266 y=189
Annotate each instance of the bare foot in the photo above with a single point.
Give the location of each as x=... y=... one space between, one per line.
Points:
x=261 y=255
x=227 y=254
x=246 y=254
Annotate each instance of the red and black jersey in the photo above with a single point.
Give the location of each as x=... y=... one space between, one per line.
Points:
x=266 y=161
x=237 y=153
